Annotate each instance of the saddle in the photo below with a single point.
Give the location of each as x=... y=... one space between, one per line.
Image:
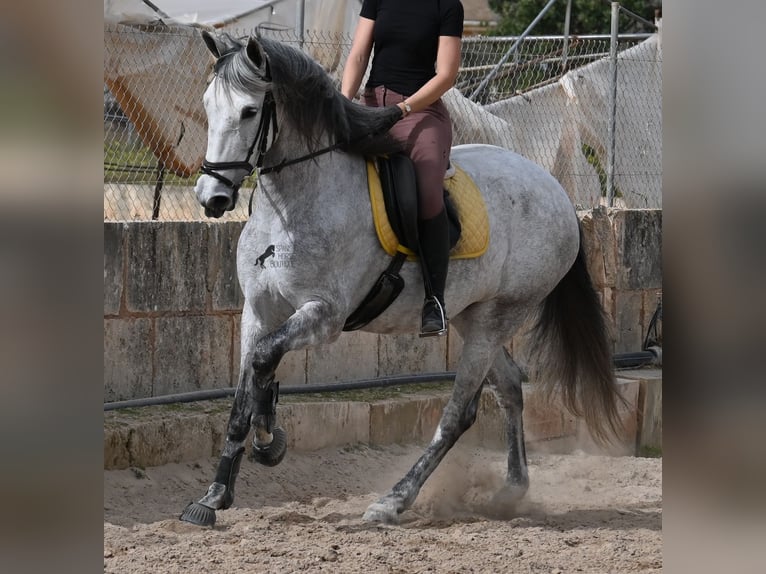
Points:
x=393 y=199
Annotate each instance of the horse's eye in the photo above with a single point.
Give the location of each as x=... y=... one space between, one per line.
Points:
x=248 y=112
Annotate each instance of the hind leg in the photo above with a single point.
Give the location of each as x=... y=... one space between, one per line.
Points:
x=505 y=379
x=459 y=414
x=479 y=325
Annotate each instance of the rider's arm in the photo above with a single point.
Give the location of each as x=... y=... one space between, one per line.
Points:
x=358 y=57
x=447 y=66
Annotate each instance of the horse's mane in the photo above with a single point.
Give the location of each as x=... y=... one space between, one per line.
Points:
x=309 y=99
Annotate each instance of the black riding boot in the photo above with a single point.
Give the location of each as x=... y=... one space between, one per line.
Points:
x=434 y=257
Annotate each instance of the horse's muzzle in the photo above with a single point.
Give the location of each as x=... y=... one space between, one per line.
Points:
x=218 y=204
x=214 y=197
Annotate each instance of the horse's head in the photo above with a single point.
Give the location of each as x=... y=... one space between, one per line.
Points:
x=240 y=112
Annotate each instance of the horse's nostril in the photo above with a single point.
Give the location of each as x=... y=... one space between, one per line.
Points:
x=219 y=203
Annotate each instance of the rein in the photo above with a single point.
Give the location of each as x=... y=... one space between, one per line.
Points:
x=286 y=162
x=269 y=111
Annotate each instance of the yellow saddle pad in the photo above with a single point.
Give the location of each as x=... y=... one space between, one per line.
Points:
x=469 y=204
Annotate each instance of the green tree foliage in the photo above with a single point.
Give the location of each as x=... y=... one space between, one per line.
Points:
x=588 y=16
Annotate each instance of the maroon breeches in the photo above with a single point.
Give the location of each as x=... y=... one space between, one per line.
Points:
x=427 y=138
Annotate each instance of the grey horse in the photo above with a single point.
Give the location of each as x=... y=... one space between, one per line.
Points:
x=272 y=109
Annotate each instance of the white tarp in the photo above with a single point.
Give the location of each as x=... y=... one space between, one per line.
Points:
x=564 y=127
x=330 y=16
x=168 y=114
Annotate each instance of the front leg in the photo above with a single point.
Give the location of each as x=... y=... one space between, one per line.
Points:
x=256 y=399
x=312 y=324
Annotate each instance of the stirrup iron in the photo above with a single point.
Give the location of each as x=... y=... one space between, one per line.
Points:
x=434 y=319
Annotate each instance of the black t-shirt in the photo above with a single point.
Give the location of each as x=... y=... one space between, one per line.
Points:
x=406 y=39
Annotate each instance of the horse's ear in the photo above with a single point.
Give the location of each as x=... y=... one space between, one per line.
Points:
x=219 y=44
x=213 y=44
x=255 y=53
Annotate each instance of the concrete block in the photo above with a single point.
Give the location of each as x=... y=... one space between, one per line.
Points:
x=543 y=418
x=167 y=266
x=549 y=421
x=351 y=357
x=548 y=426
x=157 y=435
x=639 y=248
x=127 y=358
x=570 y=423
x=403 y=421
x=628 y=321
x=624 y=445
x=600 y=248
x=491 y=427
x=171 y=439
x=313 y=426
x=628 y=411
x=650 y=416
x=608 y=304
x=292 y=369
x=113 y=266
x=405 y=354
x=649 y=410
x=191 y=353
x=222 y=266
x=116 y=454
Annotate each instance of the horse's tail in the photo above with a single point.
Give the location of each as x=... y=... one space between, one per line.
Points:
x=573 y=354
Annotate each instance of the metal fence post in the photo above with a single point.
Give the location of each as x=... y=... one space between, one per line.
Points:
x=158 y=191
x=612 y=105
x=565 y=50
x=300 y=17
x=512 y=50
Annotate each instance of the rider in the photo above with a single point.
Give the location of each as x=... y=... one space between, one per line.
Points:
x=416 y=60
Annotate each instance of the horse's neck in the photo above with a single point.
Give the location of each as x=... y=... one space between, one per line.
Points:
x=315 y=197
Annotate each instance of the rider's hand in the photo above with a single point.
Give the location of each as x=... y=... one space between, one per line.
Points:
x=400 y=110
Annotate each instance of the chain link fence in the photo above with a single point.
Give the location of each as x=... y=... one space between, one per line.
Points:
x=547 y=98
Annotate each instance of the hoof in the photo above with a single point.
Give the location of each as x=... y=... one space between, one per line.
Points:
x=199 y=514
x=272 y=454
x=381 y=513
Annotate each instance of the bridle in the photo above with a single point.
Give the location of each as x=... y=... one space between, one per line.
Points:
x=268 y=121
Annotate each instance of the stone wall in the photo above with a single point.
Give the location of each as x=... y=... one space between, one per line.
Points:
x=624 y=250
x=172 y=306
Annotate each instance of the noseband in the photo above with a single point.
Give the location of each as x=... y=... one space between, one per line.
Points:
x=268 y=120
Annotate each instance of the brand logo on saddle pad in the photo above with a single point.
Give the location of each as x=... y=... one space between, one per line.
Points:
x=469 y=204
